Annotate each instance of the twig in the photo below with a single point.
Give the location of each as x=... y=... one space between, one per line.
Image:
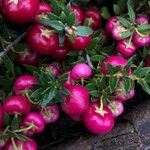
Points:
x=9 y=47
x=89 y=61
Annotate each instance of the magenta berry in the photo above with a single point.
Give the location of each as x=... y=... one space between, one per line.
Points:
x=36 y=121
x=98 y=121
x=113 y=21
x=116 y=107
x=141 y=40
x=126 y=48
x=22 y=145
x=94 y=17
x=114 y=61
x=17 y=104
x=24 y=83
x=81 y=71
x=121 y=94
x=117 y=32
x=79 y=43
x=78 y=13
x=44 y=8
x=53 y=68
x=1 y=115
x=141 y=20
x=20 y=11
x=29 y=58
x=42 y=39
x=50 y=114
x=78 y=101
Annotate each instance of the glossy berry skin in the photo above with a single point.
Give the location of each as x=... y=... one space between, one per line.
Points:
x=117 y=32
x=50 y=114
x=78 y=102
x=79 y=43
x=114 y=61
x=24 y=83
x=22 y=145
x=141 y=20
x=29 y=58
x=53 y=68
x=141 y=41
x=17 y=104
x=126 y=48
x=113 y=21
x=81 y=71
x=121 y=94
x=20 y=11
x=44 y=8
x=36 y=120
x=147 y=62
x=1 y=115
x=79 y=15
x=60 y=53
x=116 y=107
x=96 y=122
x=94 y=17
x=42 y=39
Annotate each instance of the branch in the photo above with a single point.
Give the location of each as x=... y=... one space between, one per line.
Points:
x=9 y=47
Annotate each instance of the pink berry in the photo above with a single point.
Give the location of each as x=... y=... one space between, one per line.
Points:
x=141 y=20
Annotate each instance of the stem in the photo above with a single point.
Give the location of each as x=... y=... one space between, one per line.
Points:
x=89 y=61
x=101 y=103
x=24 y=129
x=139 y=33
x=82 y=82
x=9 y=47
x=27 y=95
x=14 y=144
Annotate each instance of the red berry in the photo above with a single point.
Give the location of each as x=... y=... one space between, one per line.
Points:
x=22 y=145
x=42 y=39
x=24 y=83
x=53 y=68
x=60 y=53
x=126 y=48
x=81 y=71
x=78 y=101
x=29 y=57
x=141 y=20
x=98 y=121
x=17 y=104
x=116 y=107
x=1 y=115
x=141 y=40
x=78 y=13
x=147 y=62
x=50 y=114
x=20 y=11
x=79 y=43
x=94 y=17
x=113 y=21
x=44 y=8
x=36 y=120
x=114 y=61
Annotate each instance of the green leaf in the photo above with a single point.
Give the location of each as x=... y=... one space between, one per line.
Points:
x=105 y=13
x=128 y=84
x=48 y=97
x=84 y=31
x=15 y=123
x=31 y=68
x=61 y=37
x=4 y=137
x=113 y=69
x=143 y=27
x=62 y=79
x=20 y=48
x=97 y=58
x=7 y=119
x=131 y=12
x=8 y=64
x=67 y=9
x=57 y=25
x=113 y=83
x=125 y=22
x=116 y=9
x=91 y=86
x=142 y=72
x=145 y=86
x=65 y=91
x=53 y=17
x=22 y=137
x=95 y=93
x=137 y=71
x=37 y=93
x=71 y=19
x=126 y=34
x=56 y=7
x=129 y=63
